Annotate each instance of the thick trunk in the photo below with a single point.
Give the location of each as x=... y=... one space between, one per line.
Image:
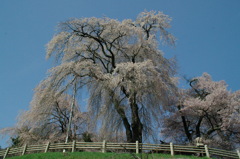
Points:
x=126 y=124
x=136 y=125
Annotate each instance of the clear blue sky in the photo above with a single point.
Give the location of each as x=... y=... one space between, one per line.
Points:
x=208 y=33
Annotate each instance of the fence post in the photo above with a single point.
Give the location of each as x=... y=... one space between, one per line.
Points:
x=238 y=153
x=6 y=153
x=137 y=147
x=104 y=146
x=47 y=147
x=206 y=151
x=24 y=149
x=171 y=149
x=73 y=145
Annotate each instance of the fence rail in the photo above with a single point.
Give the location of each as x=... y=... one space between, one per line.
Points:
x=105 y=146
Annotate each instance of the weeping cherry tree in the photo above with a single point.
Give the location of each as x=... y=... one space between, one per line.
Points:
x=120 y=64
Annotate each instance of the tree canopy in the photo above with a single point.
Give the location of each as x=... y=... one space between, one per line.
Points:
x=127 y=77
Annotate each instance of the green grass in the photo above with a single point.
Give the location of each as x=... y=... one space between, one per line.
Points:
x=98 y=155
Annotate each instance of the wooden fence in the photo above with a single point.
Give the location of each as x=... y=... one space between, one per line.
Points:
x=121 y=147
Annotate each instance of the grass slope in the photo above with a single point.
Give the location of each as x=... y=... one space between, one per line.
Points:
x=98 y=155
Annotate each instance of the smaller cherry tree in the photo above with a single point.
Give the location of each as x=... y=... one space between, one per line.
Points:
x=48 y=119
x=207 y=110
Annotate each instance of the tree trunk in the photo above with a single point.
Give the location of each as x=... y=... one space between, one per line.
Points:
x=198 y=132
x=126 y=124
x=136 y=125
x=185 y=126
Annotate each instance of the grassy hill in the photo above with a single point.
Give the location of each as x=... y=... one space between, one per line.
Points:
x=98 y=155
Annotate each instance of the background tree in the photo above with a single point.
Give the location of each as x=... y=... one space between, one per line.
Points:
x=126 y=75
x=47 y=120
x=207 y=110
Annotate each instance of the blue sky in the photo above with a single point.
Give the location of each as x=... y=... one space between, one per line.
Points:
x=207 y=31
